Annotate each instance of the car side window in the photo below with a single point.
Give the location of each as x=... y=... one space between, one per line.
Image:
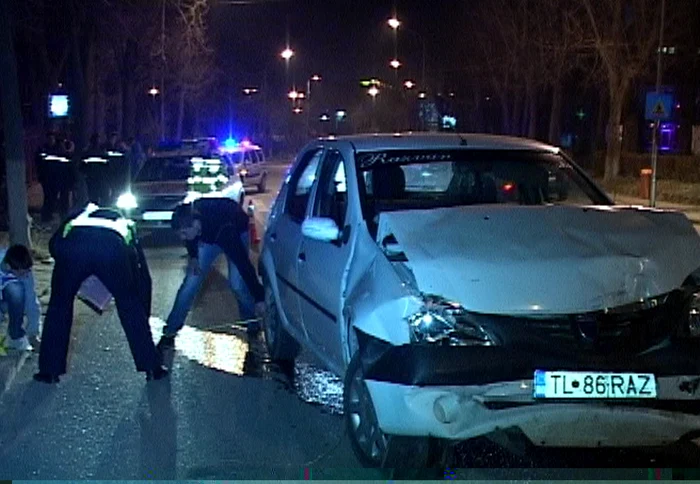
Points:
x=248 y=157
x=332 y=193
x=301 y=184
x=261 y=156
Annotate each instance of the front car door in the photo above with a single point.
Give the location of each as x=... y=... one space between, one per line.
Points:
x=284 y=236
x=323 y=265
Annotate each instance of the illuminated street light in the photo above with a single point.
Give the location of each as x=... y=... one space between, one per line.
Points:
x=394 y=23
x=293 y=95
x=340 y=113
x=301 y=95
x=395 y=64
x=250 y=90
x=316 y=78
x=422 y=94
x=324 y=117
x=409 y=84
x=373 y=91
x=297 y=110
x=154 y=91
x=287 y=54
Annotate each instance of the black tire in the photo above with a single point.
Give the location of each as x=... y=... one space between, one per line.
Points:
x=409 y=456
x=262 y=186
x=281 y=346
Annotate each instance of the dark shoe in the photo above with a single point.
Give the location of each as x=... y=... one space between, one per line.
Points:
x=157 y=374
x=46 y=378
x=166 y=341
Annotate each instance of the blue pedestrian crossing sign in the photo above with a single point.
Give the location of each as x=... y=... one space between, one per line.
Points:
x=658 y=106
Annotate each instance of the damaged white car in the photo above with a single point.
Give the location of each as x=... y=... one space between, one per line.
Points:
x=471 y=285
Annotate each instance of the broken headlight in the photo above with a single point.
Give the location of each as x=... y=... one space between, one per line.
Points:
x=694 y=316
x=444 y=322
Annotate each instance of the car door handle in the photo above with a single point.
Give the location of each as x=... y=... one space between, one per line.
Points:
x=302 y=256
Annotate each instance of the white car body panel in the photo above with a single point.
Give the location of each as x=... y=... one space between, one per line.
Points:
x=543 y=260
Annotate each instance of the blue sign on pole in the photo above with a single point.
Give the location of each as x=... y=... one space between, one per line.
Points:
x=658 y=106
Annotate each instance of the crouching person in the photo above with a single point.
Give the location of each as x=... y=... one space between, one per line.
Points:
x=18 y=298
x=98 y=242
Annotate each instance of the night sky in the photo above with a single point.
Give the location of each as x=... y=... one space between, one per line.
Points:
x=341 y=40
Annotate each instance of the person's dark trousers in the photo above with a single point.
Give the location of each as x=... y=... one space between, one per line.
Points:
x=99 y=252
x=50 y=190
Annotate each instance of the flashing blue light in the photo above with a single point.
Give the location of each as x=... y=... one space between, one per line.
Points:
x=230 y=143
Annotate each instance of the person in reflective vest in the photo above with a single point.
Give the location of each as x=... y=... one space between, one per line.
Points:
x=54 y=168
x=100 y=242
x=95 y=167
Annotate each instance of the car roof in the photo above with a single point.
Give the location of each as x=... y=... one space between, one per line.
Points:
x=408 y=141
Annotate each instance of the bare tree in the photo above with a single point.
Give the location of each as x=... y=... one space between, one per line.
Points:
x=625 y=36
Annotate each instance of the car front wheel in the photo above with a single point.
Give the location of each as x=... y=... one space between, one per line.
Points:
x=371 y=445
x=281 y=346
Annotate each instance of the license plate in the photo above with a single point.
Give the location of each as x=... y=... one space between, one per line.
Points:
x=580 y=385
x=157 y=215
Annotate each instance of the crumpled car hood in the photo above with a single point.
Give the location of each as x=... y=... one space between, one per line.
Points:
x=545 y=260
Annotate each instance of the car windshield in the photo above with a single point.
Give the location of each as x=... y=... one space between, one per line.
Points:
x=165 y=169
x=404 y=180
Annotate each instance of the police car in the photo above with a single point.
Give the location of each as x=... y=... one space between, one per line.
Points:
x=177 y=174
x=247 y=161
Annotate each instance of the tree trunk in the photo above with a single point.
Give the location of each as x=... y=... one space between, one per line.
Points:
x=554 y=136
x=79 y=135
x=516 y=120
x=532 y=114
x=614 y=131
x=14 y=134
x=505 y=114
x=129 y=89
x=180 y=113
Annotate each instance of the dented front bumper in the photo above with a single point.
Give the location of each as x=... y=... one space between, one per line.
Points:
x=463 y=412
x=459 y=393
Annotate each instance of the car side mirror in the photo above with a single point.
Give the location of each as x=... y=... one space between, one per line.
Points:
x=321 y=229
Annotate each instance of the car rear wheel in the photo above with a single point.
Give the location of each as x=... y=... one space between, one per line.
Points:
x=372 y=446
x=262 y=186
x=280 y=344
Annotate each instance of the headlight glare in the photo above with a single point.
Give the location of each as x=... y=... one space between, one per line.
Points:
x=445 y=322
x=127 y=201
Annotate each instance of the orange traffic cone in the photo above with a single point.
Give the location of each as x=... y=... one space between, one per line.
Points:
x=253 y=238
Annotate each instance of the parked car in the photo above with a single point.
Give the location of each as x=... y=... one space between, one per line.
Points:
x=247 y=161
x=472 y=285
x=166 y=180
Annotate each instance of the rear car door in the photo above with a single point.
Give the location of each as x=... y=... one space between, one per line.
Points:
x=322 y=264
x=284 y=237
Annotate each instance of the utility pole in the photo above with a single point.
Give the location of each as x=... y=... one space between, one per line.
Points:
x=657 y=123
x=15 y=170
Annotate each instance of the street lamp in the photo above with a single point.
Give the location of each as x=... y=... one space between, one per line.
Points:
x=422 y=94
x=287 y=54
x=250 y=90
x=395 y=63
x=315 y=78
x=297 y=110
x=409 y=84
x=293 y=95
x=395 y=23
x=373 y=91
x=154 y=91
x=324 y=117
